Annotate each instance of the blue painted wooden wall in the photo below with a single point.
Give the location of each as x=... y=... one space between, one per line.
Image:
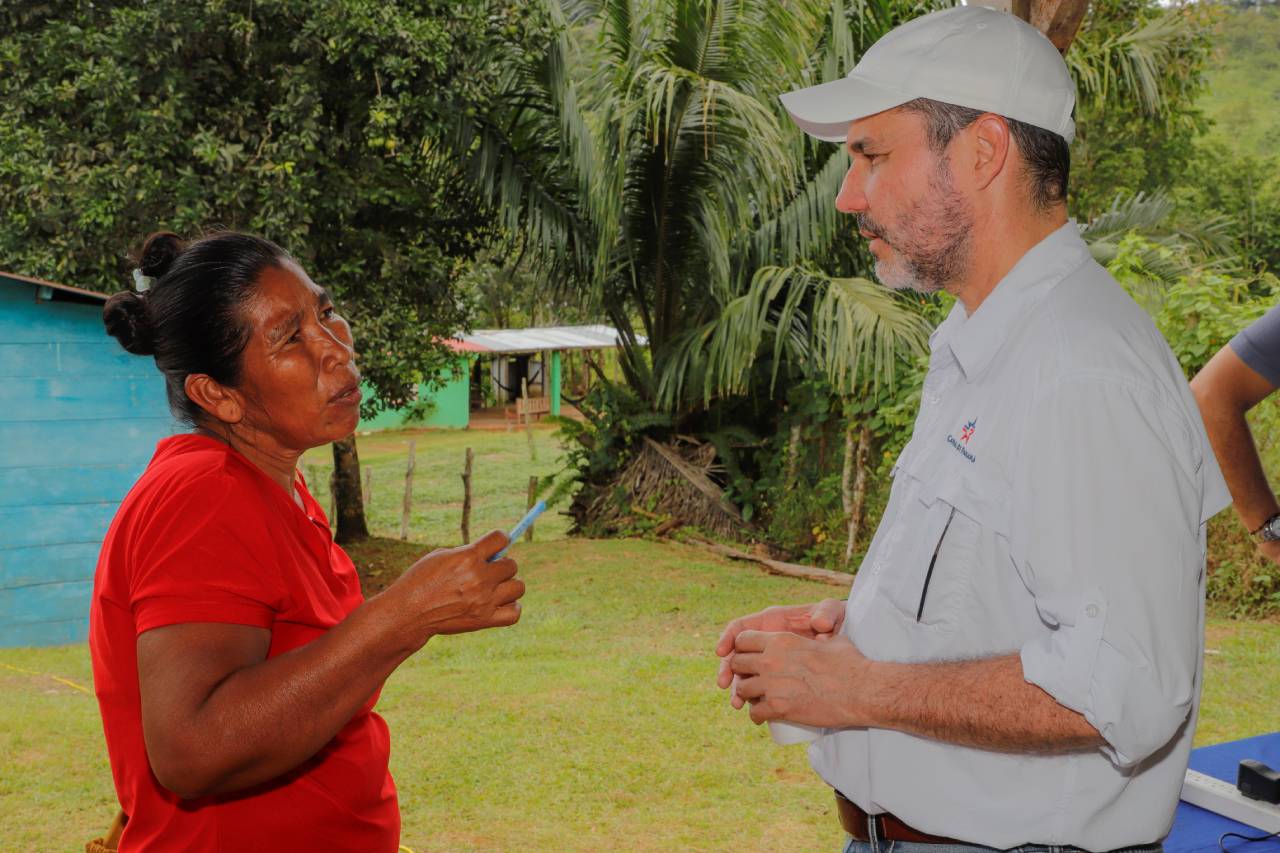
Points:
x=79 y=420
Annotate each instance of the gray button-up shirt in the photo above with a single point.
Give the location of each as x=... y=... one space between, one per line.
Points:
x=1052 y=503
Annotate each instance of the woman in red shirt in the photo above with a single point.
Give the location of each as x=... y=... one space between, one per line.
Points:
x=235 y=661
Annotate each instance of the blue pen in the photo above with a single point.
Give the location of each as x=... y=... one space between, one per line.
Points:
x=521 y=526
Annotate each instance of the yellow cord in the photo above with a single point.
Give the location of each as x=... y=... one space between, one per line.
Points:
x=406 y=849
x=56 y=678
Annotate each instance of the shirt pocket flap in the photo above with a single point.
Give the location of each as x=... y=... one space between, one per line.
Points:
x=931 y=573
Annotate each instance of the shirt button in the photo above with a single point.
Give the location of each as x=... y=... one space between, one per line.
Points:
x=1092 y=611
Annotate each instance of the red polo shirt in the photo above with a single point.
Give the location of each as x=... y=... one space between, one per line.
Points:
x=206 y=536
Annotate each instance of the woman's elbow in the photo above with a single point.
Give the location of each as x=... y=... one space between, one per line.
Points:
x=180 y=771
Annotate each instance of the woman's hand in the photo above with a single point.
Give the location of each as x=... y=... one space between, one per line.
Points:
x=456 y=590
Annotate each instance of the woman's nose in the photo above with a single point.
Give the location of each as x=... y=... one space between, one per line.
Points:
x=339 y=349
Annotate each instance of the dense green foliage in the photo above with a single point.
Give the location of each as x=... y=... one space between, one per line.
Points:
x=1140 y=70
x=312 y=122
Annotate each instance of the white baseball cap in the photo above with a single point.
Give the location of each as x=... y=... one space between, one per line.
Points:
x=970 y=56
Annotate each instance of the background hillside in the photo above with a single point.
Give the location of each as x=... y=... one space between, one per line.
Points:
x=1243 y=97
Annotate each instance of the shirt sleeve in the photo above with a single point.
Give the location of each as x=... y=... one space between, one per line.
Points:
x=205 y=555
x=1258 y=345
x=1108 y=503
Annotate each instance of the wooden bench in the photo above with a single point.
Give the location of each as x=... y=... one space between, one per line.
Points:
x=534 y=406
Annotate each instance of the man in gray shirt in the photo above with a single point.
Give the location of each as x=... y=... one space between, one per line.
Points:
x=1019 y=659
x=1241 y=375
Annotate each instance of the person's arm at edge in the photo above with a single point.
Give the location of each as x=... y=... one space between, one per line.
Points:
x=1225 y=389
x=218 y=716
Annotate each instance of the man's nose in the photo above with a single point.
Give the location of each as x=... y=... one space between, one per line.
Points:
x=851 y=199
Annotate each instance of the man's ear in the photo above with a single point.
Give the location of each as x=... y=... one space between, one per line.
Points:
x=217 y=400
x=990 y=139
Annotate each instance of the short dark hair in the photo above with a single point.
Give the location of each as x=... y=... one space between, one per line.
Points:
x=1046 y=154
x=192 y=316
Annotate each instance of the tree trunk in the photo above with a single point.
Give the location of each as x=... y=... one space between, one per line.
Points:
x=859 y=498
x=347 y=498
x=793 y=455
x=846 y=474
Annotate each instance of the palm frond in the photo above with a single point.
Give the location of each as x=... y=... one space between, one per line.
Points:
x=852 y=331
x=1206 y=244
x=1157 y=253
x=1131 y=64
x=861 y=331
x=808 y=225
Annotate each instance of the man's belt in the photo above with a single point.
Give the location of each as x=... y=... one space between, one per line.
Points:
x=858 y=823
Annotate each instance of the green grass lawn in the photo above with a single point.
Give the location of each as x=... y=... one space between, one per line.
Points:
x=500 y=480
x=593 y=724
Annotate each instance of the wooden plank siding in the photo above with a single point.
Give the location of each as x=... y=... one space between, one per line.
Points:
x=79 y=419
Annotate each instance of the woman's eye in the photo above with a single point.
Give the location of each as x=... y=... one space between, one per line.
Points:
x=328 y=313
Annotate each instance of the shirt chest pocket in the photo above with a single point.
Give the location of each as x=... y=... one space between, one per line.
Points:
x=937 y=564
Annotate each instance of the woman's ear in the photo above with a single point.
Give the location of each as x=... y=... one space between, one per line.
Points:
x=217 y=400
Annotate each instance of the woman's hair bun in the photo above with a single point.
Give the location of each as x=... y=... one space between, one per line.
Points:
x=159 y=252
x=125 y=316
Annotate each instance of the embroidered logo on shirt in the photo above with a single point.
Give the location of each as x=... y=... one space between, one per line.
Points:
x=966 y=433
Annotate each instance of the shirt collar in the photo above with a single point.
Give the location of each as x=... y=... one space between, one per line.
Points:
x=975 y=339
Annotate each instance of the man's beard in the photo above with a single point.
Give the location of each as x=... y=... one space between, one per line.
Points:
x=931 y=242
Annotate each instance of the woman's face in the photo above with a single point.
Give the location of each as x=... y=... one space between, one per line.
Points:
x=299 y=385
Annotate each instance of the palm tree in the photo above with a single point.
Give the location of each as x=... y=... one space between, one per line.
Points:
x=670 y=186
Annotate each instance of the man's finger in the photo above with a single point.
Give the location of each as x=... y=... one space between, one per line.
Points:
x=725 y=644
x=724 y=674
x=826 y=615
x=745 y=663
x=752 y=641
x=762 y=712
x=751 y=689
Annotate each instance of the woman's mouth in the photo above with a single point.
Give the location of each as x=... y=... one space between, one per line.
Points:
x=349 y=396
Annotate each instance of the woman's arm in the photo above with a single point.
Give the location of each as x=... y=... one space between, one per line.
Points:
x=217 y=716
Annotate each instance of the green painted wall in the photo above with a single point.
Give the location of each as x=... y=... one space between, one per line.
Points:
x=451 y=409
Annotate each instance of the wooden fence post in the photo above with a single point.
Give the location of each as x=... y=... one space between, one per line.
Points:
x=466 y=498
x=533 y=496
x=408 y=492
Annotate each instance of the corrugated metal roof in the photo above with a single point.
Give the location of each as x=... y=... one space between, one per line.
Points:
x=535 y=340
x=65 y=288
